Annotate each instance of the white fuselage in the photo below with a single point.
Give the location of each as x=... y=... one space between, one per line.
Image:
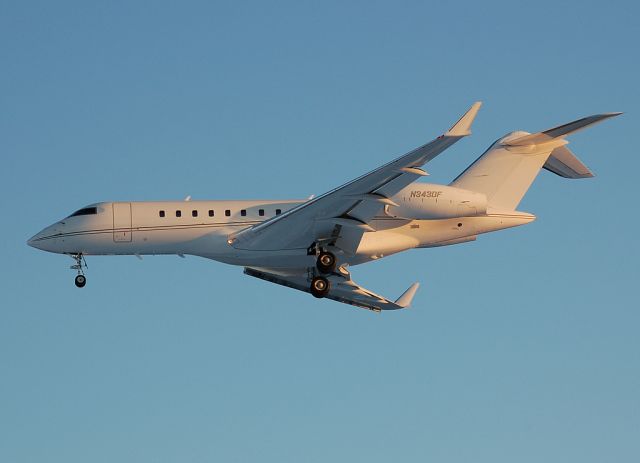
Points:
x=425 y=215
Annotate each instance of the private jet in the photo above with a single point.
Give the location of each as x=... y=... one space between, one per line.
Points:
x=310 y=245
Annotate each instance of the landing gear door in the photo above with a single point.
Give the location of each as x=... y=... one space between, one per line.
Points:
x=122 y=222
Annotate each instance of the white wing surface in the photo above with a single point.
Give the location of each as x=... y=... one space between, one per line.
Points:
x=343 y=289
x=351 y=206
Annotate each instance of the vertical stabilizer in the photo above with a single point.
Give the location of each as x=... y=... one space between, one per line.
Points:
x=507 y=169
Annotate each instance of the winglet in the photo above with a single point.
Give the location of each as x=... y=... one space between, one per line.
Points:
x=406 y=298
x=462 y=128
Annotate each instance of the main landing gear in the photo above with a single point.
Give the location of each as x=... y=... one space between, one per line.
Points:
x=80 y=264
x=326 y=262
x=320 y=287
x=326 y=265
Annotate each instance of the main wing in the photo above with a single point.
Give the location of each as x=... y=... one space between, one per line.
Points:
x=343 y=289
x=350 y=207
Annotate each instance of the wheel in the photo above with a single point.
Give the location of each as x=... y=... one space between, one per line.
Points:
x=320 y=287
x=81 y=281
x=326 y=262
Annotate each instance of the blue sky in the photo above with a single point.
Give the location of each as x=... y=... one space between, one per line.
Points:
x=522 y=346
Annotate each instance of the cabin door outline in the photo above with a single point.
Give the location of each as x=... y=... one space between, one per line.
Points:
x=122 y=222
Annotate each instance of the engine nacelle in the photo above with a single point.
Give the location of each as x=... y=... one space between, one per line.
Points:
x=424 y=201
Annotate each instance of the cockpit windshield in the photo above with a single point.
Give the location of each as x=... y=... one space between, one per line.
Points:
x=85 y=211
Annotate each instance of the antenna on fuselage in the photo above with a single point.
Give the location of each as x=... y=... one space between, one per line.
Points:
x=188 y=198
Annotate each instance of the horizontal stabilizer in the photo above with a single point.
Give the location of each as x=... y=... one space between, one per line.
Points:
x=564 y=163
x=559 y=131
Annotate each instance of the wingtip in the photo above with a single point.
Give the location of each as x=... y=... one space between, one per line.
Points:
x=603 y=116
x=462 y=128
x=407 y=297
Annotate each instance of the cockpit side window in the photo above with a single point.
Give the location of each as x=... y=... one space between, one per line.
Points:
x=85 y=211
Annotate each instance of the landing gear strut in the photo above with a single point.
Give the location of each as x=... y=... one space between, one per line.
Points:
x=80 y=264
x=320 y=287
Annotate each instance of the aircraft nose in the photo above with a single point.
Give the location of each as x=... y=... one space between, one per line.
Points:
x=36 y=241
x=44 y=239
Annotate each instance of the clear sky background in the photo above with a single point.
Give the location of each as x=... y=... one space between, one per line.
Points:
x=522 y=346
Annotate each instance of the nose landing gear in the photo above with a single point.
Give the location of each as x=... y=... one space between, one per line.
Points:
x=80 y=264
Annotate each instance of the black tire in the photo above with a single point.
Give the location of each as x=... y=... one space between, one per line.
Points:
x=320 y=287
x=80 y=281
x=326 y=262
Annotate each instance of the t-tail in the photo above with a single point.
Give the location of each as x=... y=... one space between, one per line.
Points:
x=507 y=169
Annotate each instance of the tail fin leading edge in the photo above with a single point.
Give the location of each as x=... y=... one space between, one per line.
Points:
x=507 y=169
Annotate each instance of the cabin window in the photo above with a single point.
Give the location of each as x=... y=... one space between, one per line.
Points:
x=260 y=212
x=227 y=213
x=210 y=212
x=85 y=211
x=161 y=213
x=194 y=213
x=243 y=212
x=178 y=213
x=278 y=211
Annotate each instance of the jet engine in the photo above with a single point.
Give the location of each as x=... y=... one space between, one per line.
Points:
x=423 y=201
